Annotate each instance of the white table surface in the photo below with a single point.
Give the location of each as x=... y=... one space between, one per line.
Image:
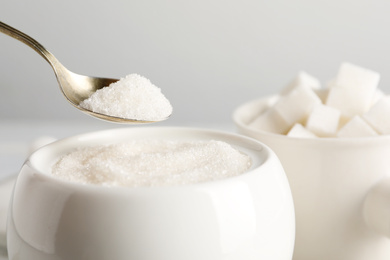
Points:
x=16 y=138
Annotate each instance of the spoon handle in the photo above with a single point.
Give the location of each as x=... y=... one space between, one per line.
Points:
x=18 y=35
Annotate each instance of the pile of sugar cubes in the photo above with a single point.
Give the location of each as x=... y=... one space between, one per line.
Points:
x=351 y=105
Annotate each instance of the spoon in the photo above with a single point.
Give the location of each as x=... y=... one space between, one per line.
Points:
x=75 y=87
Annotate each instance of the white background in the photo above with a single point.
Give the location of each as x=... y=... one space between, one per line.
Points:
x=207 y=56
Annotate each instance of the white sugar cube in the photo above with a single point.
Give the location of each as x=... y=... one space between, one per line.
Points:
x=302 y=79
x=270 y=121
x=350 y=101
x=355 y=77
x=323 y=120
x=378 y=116
x=300 y=131
x=296 y=106
x=356 y=127
x=353 y=90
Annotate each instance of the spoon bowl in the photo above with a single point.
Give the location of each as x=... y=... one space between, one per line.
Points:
x=75 y=87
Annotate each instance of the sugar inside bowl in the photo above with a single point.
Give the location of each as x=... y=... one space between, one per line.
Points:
x=99 y=212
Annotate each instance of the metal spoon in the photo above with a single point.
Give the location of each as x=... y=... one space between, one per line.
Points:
x=75 y=87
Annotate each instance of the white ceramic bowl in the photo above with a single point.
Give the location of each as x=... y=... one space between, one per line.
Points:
x=249 y=216
x=340 y=187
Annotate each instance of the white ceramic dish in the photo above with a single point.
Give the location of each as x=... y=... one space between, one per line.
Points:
x=249 y=216
x=341 y=190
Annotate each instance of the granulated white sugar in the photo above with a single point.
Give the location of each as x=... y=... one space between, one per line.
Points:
x=152 y=163
x=132 y=97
